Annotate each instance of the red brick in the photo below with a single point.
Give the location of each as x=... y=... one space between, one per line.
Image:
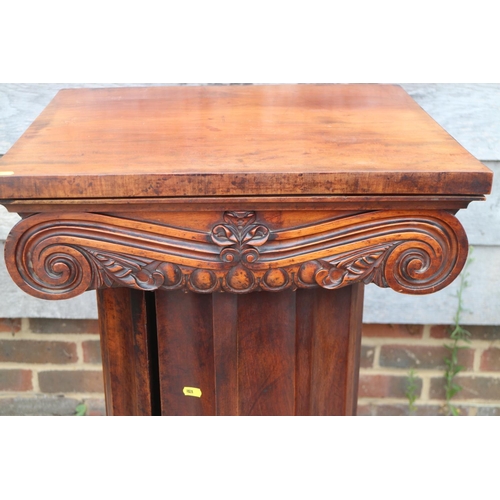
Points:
x=367 y=355
x=15 y=380
x=10 y=325
x=49 y=325
x=71 y=381
x=37 y=351
x=92 y=351
x=421 y=357
x=484 y=332
x=478 y=332
x=440 y=331
x=385 y=386
x=473 y=387
x=490 y=360
x=393 y=331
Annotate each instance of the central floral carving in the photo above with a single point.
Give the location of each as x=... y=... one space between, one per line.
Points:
x=240 y=236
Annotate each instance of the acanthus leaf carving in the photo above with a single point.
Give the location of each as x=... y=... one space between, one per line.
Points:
x=143 y=274
x=365 y=266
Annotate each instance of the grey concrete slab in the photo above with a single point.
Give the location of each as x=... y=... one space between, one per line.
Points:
x=469 y=112
x=39 y=405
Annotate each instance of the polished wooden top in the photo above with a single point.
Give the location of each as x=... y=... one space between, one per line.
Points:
x=237 y=141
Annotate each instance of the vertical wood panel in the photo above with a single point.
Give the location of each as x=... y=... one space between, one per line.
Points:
x=305 y=333
x=331 y=312
x=186 y=353
x=225 y=317
x=127 y=366
x=266 y=352
x=330 y=351
x=328 y=340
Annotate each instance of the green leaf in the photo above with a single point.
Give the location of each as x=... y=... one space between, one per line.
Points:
x=81 y=410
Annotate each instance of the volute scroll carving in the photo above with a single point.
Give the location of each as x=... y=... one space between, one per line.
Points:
x=61 y=256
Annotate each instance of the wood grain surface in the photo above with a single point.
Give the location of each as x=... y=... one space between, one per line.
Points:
x=288 y=353
x=219 y=141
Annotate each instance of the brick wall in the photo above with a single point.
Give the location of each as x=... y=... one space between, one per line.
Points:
x=390 y=351
x=50 y=366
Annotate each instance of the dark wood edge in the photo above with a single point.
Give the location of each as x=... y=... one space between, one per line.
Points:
x=443 y=202
x=354 y=350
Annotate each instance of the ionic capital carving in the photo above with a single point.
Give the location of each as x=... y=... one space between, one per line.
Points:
x=61 y=256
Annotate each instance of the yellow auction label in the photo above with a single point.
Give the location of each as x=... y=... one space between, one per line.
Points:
x=192 y=391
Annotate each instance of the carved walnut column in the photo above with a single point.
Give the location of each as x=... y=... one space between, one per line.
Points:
x=230 y=233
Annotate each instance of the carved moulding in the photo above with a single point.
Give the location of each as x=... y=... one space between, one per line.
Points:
x=61 y=256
